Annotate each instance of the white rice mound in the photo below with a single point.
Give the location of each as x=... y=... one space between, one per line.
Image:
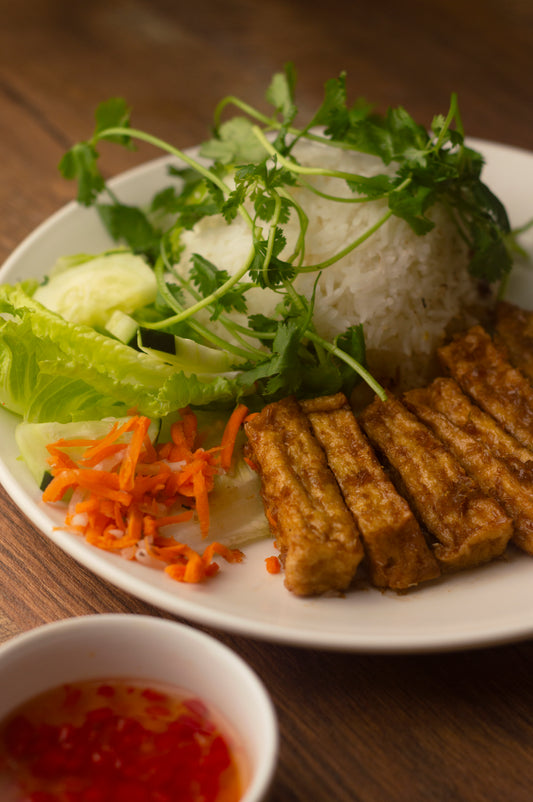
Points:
x=408 y=291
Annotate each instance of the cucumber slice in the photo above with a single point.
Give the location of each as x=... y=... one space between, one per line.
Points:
x=88 y=293
x=188 y=355
x=32 y=439
x=123 y=327
x=155 y=340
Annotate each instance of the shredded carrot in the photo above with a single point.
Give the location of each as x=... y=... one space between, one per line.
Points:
x=169 y=520
x=123 y=508
x=202 y=502
x=190 y=426
x=104 y=453
x=230 y=435
x=195 y=569
x=59 y=459
x=251 y=464
x=273 y=564
x=127 y=468
x=230 y=555
x=98 y=482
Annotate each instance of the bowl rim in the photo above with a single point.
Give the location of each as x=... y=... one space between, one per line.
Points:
x=261 y=778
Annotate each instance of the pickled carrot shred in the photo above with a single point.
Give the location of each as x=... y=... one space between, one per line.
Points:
x=148 y=487
x=273 y=564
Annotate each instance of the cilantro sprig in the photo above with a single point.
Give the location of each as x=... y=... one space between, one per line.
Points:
x=248 y=169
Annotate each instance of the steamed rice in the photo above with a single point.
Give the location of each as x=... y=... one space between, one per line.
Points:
x=408 y=291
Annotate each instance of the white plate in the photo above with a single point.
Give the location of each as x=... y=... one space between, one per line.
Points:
x=486 y=606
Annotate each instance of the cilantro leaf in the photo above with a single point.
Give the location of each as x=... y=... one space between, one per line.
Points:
x=486 y=201
x=352 y=342
x=259 y=182
x=277 y=271
x=491 y=260
x=334 y=100
x=281 y=372
x=375 y=186
x=80 y=163
x=411 y=204
x=194 y=200
x=231 y=205
x=130 y=225
x=168 y=201
x=334 y=113
x=280 y=94
x=368 y=135
x=235 y=143
x=209 y=278
x=113 y=113
x=405 y=134
x=263 y=325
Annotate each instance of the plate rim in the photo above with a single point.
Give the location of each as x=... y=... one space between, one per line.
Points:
x=209 y=616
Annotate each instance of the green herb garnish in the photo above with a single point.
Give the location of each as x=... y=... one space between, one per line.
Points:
x=274 y=357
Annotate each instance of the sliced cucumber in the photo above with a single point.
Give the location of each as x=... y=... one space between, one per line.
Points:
x=89 y=292
x=33 y=438
x=123 y=327
x=154 y=341
x=188 y=355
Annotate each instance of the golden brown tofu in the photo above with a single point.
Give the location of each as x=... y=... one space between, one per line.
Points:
x=514 y=331
x=493 y=475
x=470 y=527
x=484 y=373
x=320 y=547
x=397 y=554
x=445 y=395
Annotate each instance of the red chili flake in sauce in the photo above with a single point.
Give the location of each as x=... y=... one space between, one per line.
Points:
x=116 y=742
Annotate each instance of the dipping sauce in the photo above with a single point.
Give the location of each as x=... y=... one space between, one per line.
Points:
x=117 y=741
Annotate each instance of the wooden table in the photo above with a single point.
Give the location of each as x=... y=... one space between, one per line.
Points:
x=455 y=726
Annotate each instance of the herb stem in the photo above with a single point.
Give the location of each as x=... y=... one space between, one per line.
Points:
x=271 y=239
x=276 y=125
x=453 y=111
x=299 y=248
x=206 y=333
x=150 y=139
x=349 y=248
x=356 y=366
x=230 y=325
x=243 y=106
x=298 y=168
x=247 y=332
x=219 y=292
x=338 y=198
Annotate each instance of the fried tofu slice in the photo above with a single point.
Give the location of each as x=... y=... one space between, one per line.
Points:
x=514 y=331
x=397 y=554
x=469 y=527
x=320 y=547
x=444 y=395
x=483 y=372
x=492 y=474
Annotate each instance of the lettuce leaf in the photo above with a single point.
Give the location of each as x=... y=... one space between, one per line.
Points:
x=51 y=369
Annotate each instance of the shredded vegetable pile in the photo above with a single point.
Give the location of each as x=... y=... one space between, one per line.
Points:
x=122 y=492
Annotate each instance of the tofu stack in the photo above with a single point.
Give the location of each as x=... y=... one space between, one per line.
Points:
x=317 y=537
x=437 y=480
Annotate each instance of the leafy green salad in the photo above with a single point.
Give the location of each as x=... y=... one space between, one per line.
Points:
x=106 y=333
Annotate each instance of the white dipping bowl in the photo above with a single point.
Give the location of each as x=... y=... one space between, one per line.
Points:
x=115 y=646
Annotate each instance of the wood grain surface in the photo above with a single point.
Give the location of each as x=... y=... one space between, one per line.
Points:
x=354 y=728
